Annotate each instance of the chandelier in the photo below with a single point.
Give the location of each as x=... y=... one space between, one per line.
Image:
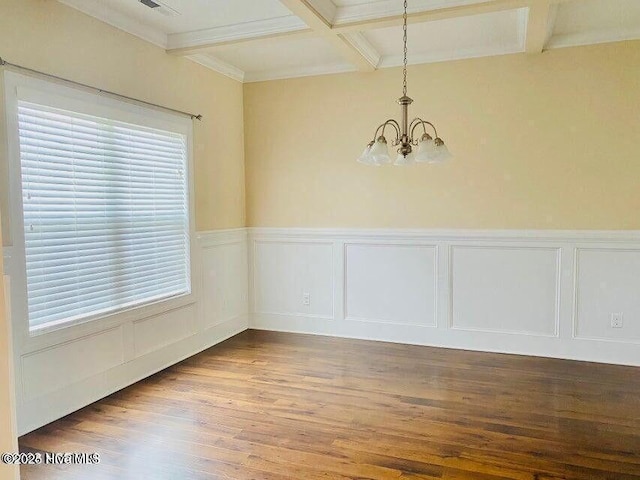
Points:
x=429 y=149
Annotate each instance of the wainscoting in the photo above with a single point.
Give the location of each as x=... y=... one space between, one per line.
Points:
x=68 y=369
x=543 y=293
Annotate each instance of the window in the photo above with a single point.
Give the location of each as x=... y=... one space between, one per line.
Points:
x=105 y=210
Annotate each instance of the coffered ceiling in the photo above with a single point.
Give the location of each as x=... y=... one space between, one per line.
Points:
x=254 y=40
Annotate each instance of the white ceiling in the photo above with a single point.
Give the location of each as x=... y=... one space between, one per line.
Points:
x=254 y=40
x=463 y=37
x=282 y=58
x=583 y=22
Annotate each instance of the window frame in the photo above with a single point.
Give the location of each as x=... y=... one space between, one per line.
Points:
x=76 y=99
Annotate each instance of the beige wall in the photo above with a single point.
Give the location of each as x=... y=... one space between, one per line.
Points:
x=543 y=141
x=48 y=36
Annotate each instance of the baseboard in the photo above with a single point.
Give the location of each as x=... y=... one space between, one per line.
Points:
x=574 y=349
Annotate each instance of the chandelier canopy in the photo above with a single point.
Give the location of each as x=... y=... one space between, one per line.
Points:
x=429 y=149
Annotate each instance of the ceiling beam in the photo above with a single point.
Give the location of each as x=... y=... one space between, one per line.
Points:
x=360 y=42
x=309 y=15
x=224 y=33
x=351 y=53
x=538 y=26
x=320 y=25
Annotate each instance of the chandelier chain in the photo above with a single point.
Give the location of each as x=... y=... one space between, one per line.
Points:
x=404 y=39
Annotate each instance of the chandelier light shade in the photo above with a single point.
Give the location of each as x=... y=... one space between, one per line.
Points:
x=425 y=149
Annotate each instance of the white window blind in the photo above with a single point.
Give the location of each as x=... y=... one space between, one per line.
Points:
x=106 y=217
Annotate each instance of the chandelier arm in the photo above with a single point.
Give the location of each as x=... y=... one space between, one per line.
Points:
x=414 y=123
x=375 y=135
x=382 y=126
x=419 y=121
x=396 y=126
x=432 y=126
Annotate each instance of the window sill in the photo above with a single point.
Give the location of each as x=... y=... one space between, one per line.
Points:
x=67 y=332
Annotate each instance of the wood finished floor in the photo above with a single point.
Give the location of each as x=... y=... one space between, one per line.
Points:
x=275 y=406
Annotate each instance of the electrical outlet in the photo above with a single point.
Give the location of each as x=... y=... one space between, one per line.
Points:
x=616 y=320
x=306 y=299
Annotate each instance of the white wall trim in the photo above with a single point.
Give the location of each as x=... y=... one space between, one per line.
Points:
x=254 y=270
x=227 y=306
x=426 y=235
x=126 y=352
x=296 y=72
x=576 y=294
x=226 y=69
x=582 y=349
x=239 y=31
x=224 y=277
x=390 y=61
x=592 y=37
x=545 y=260
x=389 y=8
x=212 y=238
x=42 y=410
x=558 y=291
x=362 y=45
x=344 y=294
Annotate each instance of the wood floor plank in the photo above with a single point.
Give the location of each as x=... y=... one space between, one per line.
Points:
x=276 y=406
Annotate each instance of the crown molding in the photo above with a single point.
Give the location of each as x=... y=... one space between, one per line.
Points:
x=593 y=37
x=209 y=61
x=362 y=45
x=228 y=33
x=388 y=8
x=461 y=54
x=296 y=72
x=99 y=10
